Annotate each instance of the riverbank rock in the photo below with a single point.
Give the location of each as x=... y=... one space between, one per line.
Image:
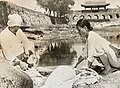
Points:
x=11 y=77
x=111 y=81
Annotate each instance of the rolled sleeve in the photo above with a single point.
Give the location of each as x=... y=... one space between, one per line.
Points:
x=28 y=45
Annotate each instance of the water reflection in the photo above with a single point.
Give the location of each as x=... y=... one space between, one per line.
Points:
x=66 y=53
x=58 y=53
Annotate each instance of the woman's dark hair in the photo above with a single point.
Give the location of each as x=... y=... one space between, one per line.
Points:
x=83 y=22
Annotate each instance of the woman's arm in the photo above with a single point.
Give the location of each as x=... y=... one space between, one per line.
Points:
x=80 y=59
x=92 y=44
x=83 y=56
x=28 y=45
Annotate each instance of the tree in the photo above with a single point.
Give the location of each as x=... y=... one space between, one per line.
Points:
x=58 y=7
x=44 y=4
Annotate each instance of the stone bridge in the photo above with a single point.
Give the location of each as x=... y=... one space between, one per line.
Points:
x=101 y=16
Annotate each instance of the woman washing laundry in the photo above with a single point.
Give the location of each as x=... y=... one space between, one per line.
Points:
x=96 y=47
x=15 y=45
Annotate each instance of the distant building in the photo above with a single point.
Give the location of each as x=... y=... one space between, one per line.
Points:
x=95 y=5
x=97 y=12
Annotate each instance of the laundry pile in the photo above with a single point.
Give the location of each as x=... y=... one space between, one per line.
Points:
x=38 y=79
x=67 y=77
x=86 y=76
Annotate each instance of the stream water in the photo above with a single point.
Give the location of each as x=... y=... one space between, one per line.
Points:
x=65 y=53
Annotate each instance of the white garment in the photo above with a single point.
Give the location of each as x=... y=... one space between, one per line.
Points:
x=61 y=77
x=12 y=45
x=97 y=45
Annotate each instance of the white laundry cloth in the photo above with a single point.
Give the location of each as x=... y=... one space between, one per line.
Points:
x=61 y=77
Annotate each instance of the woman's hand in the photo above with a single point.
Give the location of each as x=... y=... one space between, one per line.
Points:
x=30 y=52
x=23 y=65
x=89 y=64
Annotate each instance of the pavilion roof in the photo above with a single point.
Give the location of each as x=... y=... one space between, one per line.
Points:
x=96 y=3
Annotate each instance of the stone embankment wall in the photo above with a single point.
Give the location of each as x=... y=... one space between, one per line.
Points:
x=30 y=17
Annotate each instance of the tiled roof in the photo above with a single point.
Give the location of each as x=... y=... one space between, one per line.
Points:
x=94 y=3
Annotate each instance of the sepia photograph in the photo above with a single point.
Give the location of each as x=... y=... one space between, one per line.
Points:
x=59 y=44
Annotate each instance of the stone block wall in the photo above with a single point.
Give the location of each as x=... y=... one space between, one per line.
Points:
x=30 y=17
x=3 y=13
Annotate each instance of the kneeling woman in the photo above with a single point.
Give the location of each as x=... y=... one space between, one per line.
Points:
x=96 y=47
